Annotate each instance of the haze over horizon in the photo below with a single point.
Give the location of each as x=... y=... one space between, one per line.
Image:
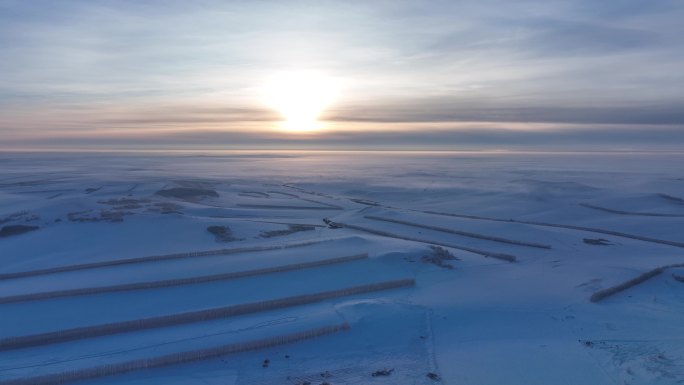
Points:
x=411 y=75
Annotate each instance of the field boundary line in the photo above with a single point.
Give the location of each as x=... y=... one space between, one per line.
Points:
x=155 y=258
x=605 y=293
x=73 y=334
x=546 y=224
x=502 y=256
x=459 y=232
x=174 y=358
x=180 y=281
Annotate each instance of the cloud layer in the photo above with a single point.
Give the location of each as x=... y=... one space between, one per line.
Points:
x=88 y=73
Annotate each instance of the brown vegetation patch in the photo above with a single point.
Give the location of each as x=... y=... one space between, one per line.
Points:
x=291 y=229
x=10 y=230
x=438 y=257
x=222 y=233
x=187 y=193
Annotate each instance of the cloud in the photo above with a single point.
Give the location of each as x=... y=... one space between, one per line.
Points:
x=568 y=38
x=80 y=67
x=486 y=111
x=589 y=137
x=627 y=8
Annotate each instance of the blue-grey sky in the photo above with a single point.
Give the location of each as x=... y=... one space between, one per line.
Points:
x=411 y=74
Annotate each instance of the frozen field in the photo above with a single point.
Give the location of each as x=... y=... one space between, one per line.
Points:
x=313 y=268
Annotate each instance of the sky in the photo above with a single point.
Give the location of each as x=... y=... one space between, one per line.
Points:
x=409 y=74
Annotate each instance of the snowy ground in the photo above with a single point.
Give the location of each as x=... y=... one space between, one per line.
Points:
x=485 y=320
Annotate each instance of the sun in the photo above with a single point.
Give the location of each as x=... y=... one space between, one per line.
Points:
x=300 y=97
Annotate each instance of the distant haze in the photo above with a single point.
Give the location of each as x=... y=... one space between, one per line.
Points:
x=580 y=74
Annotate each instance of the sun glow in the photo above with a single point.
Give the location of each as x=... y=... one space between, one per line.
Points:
x=300 y=97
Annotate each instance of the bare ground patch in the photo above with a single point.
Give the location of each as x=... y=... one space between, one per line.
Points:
x=9 y=230
x=291 y=229
x=222 y=233
x=187 y=193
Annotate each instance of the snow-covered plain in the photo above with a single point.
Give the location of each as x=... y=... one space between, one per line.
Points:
x=486 y=320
